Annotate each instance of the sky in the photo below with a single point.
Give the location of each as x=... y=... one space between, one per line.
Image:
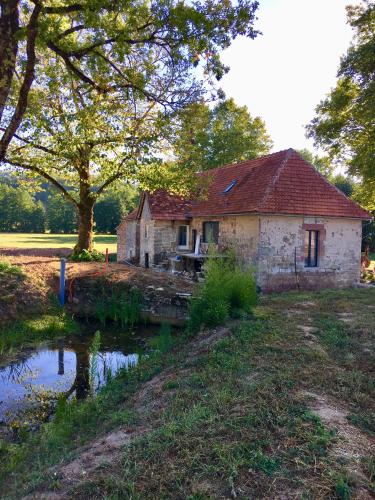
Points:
x=284 y=73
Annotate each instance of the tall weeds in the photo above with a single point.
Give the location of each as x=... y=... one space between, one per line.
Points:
x=229 y=289
x=123 y=309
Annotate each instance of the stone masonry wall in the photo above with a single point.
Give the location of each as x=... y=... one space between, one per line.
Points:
x=281 y=253
x=240 y=232
x=127 y=240
x=147 y=235
x=121 y=230
x=165 y=239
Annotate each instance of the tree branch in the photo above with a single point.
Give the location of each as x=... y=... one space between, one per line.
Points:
x=45 y=175
x=74 y=68
x=30 y=143
x=9 y=25
x=69 y=31
x=108 y=182
x=32 y=31
x=75 y=7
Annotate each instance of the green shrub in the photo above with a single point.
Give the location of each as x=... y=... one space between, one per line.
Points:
x=88 y=256
x=228 y=290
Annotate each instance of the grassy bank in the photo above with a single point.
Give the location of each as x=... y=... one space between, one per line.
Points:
x=27 y=332
x=237 y=412
x=23 y=240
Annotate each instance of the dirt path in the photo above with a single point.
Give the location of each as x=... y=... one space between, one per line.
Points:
x=352 y=445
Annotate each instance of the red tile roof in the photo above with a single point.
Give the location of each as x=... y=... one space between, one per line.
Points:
x=133 y=215
x=279 y=183
x=165 y=206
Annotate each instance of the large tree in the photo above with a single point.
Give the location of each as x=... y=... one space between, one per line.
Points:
x=89 y=37
x=108 y=80
x=227 y=133
x=345 y=120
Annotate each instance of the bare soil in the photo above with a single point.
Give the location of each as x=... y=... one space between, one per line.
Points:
x=31 y=295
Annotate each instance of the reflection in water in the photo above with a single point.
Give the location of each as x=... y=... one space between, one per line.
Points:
x=63 y=368
x=61 y=359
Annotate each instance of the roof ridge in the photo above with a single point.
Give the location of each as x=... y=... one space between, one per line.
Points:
x=271 y=186
x=245 y=161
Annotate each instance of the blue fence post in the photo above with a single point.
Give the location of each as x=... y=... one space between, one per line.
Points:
x=62 y=282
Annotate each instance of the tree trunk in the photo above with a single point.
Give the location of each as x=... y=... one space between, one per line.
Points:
x=85 y=227
x=9 y=25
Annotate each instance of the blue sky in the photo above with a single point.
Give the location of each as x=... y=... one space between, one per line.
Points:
x=284 y=73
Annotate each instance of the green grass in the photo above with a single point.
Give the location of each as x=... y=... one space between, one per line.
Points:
x=27 y=332
x=21 y=240
x=7 y=269
x=229 y=419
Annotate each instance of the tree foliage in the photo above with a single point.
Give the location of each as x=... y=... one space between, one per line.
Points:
x=345 y=120
x=227 y=133
x=19 y=212
x=112 y=206
x=61 y=215
x=90 y=37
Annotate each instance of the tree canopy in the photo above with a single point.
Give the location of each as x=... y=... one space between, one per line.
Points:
x=106 y=45
x=345 y=120
x=227 y=133
x=108 y=83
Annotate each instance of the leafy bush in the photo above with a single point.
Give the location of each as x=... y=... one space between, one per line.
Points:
x=228 y=290
x=88 y=256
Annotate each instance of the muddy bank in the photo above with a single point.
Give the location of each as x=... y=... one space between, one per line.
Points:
x=164 y=294
x=167 y=302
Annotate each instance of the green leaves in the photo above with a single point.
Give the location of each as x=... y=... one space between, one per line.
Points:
x=345 y=120
x=225 y=134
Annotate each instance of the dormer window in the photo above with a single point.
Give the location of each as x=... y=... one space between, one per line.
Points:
x=229 y=187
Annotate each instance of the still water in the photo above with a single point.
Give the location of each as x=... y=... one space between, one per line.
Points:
x=30 y=386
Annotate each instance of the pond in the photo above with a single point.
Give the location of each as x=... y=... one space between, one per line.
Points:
x=71 y=367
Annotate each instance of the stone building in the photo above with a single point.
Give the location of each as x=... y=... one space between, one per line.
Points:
x=277 y=212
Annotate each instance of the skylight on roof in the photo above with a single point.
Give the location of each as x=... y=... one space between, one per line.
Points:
x=230 y=185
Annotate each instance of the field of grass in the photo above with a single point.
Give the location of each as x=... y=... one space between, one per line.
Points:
x=280 y=405
x=21 y=240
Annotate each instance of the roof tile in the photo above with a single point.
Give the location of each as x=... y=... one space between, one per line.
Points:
x=282 y=183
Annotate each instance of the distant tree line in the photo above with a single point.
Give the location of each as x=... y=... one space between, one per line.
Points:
x=48 y=210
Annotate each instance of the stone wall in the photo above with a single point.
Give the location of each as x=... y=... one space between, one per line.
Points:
x=280 y=262
x=146 y=235
x=274 y=244
x=240 y=232
x=165 y=239
x=128 y=241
